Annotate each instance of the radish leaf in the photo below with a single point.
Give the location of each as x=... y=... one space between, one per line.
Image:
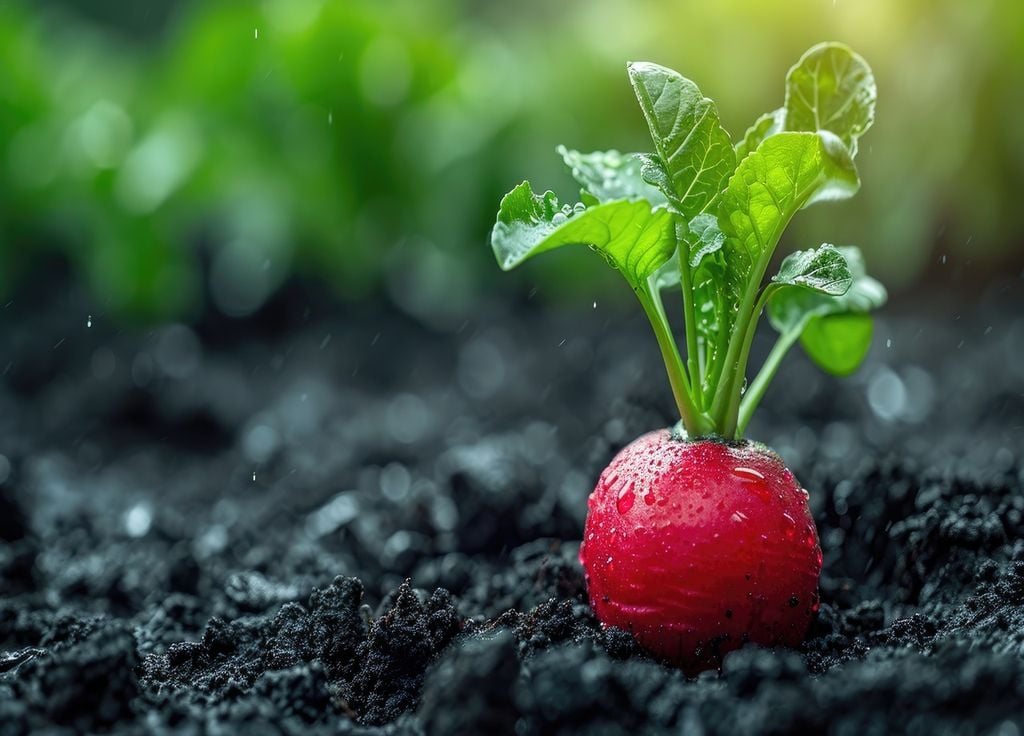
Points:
x=702 y=237
x=836 y=345
x=831 y=88
x=823 y=270
x=695 y=152
x=790 y=308
x=610 y=175
x=767 y=125
x=633 y=238
x=786 y=172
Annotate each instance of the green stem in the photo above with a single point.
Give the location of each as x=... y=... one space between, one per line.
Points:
x=694 y=422
x=686 y=281
x=729 y=420
x=764 y=377
x=730 y=373
x=726 y=371
x=715 y=363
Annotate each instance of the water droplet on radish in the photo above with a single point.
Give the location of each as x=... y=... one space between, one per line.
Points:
x=790 y=525
x=748 y=474
x=754 y=480
x=626 y=498
x=738 y=516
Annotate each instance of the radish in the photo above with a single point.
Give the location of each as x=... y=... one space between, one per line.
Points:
x=698 y=540
x=699 y=545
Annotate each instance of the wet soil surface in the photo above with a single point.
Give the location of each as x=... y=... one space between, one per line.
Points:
x=338 y=521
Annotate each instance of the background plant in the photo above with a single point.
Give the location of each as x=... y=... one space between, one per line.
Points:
x=201 y=153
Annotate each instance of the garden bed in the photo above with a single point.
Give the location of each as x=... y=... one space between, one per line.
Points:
x=333 y=520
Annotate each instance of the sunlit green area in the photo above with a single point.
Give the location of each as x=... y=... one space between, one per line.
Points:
x=198 y=157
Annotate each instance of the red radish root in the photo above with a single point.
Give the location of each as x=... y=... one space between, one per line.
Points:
x=698 y=546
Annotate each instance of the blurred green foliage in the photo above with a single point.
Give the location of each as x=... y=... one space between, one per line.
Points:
x=368 y=142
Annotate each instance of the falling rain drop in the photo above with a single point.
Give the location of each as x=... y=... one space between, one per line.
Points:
x=88 y=321
x=254 y=476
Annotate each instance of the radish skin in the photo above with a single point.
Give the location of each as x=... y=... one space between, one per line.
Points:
x=699 y=546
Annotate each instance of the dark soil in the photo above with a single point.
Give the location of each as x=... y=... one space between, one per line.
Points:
x=328 y=520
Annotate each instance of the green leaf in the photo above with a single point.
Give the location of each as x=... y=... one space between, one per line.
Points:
x=831 y=88
x=695 y=151
x=610 y=175
x=652 y=170
x=788 y=308
x=838 y=343
x=704 y=237
x=813 y=315
x=767 y=125
x=823 y=270
x=788 y=171
x=630 y=235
